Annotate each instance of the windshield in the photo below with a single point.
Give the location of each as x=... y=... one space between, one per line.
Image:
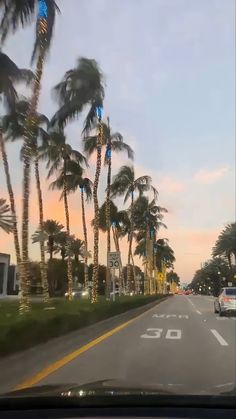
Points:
x=231 y=291
x=117 y=197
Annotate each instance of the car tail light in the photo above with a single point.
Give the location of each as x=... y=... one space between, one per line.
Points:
x=225 y=299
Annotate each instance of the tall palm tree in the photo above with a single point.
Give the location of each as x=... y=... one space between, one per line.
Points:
x=74 y=180
x=125 y=183
x=59 y=154
x=226 y=244
x=14 y=124
x=10 y=74
x=6 y=218
x=17 y=14
x=111 y=142
x=51 y=230
x=83 y=86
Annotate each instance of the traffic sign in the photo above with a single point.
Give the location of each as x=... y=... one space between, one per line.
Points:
x=113 y=260
x=160 y=276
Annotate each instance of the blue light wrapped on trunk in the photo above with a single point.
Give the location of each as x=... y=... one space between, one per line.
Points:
x=99 y=112
x=43 y=9
x=108 y=153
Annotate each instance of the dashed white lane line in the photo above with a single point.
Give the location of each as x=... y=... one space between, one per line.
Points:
x=198 y=311
x=219 y=337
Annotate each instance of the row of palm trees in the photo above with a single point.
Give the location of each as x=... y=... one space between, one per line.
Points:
x=81 y=89
x=221 y=269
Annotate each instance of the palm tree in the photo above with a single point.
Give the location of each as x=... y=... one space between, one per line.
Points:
x=50 y=231
x=14 y=126
x=86 y=187
x=124 y=182
x=17 y=14
x=77 y=248
x=111 y=142
x=7 y=220
x=74 y=180
x=164 y=254
x=9 y=75
x=83 y=86
x=59 y=154
x=226 y=244
x=61 y=244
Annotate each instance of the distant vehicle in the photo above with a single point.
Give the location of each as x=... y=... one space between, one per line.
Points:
x=187 y=292
x=226 y=302
x=78 y=294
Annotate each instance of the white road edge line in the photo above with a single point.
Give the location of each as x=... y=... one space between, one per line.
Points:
x=219 y=338
x=199 y=312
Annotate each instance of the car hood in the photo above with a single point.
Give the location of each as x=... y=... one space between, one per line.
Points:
x=109 y=387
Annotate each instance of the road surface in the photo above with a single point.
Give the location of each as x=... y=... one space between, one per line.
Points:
x=179 y=345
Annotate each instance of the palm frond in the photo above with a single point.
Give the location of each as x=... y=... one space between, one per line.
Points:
x=7 y=220
x=90 y=145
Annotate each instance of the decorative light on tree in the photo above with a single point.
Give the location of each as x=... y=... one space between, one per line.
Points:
x=42 y=10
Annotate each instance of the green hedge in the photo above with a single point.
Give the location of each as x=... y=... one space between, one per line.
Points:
x=21 y=332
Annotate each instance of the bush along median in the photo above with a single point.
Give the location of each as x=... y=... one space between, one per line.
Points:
x=19 y=332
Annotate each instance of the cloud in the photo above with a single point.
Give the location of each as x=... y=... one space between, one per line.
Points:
x=210 y=176
x=168 y=184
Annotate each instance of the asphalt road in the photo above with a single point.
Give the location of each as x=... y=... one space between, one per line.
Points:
x=179 y=345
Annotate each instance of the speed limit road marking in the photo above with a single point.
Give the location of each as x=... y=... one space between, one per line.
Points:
x=156 y=333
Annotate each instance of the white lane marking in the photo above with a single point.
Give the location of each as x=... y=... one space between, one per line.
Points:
x=168 y=316
x=198 y=311
x=155 y=333
x=173 y=334
x=219 y=337
x=224 y=385
x=222 y=318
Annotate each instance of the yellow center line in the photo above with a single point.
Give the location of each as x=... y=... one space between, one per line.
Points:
x=45 y=372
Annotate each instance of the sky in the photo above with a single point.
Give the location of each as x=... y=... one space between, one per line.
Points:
x=169 y=68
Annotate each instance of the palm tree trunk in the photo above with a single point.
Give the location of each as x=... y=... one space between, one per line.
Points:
x=130 y=242
x=12 y=205
x=69 y=260
x=96 y=213
x=108 y=220
x=43 y=268
x=86 y=277
x=28 y=137
x=134 y=273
